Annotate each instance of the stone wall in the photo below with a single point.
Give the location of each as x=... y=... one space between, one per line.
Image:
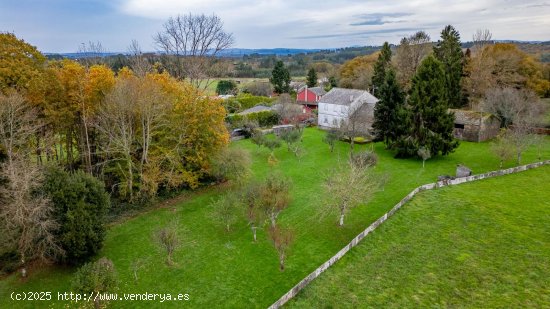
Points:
x=450 y=182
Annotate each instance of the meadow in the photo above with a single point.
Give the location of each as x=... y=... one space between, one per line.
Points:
x=227 y=269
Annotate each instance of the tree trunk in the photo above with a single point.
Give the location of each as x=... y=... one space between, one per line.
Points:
x=423 y=163
x=342 y=219
x=282 y=262
x=519 y=157
x=254 y=232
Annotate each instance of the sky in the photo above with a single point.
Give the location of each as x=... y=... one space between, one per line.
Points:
x=63 y=25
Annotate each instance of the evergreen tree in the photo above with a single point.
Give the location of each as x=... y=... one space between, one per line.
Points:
x=380 y=68
x=311 y=78
x=448 y=51
x=431 y=125
x=389 y=113
x=280 y=78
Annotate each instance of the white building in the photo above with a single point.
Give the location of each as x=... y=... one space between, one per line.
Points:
x=339 y=104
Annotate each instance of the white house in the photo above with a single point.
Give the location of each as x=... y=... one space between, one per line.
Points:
x=339 y=104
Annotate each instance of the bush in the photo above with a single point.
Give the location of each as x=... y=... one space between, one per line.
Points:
x=226 y=87
x=364 y=159
x=97 y=277
x=231 y=164
x=80 y=205
x=264 y=119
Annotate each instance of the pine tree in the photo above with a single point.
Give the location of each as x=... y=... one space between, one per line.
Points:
x=311 y=78
x=380 y=67
x=431 y=125
x=448 y=50
x=280 y=78
x=389 y=112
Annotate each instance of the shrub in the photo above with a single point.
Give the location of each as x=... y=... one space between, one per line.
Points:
x=231 y=164
x=97 y=277
x=80 y=204
x=364 y=159
x=226 y=87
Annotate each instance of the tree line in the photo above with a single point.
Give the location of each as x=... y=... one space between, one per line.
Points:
x=73 y=137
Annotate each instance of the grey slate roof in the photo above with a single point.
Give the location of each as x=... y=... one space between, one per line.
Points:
x=342 y=96
x=256 y=109
x=318 y=91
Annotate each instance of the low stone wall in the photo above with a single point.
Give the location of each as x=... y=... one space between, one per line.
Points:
x=302 y=284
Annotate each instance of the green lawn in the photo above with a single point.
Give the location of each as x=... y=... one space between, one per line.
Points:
x=229 y=270
x=478 y=245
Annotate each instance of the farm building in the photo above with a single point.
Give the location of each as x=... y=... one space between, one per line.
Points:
x=475 y=126
x=339 y=104
x=309 y=97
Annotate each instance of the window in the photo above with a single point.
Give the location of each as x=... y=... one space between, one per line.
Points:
x=326 y=120
x=459 y=126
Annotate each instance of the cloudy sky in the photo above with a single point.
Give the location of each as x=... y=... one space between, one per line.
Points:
x=62 y=25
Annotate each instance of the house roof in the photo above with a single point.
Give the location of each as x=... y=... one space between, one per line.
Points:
x=256 y=109
x=318 y=91
x=463 y=116
x=342 y=96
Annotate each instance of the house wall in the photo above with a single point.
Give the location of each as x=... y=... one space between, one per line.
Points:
x=472 y=132
x=307 y=95
x=331 y=115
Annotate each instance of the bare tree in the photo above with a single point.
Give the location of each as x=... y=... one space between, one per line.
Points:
x=288 y=110
x=138 y=62
x=254 y=214
x=425 y=154
x=355 y=124
x=409 y=54
x=347 y=187
x=502 y=148
x=117 y=120
x=481 y=38
x=519 y=112
x=27 y=212
x=91 y=53
x=274 y=196
x=281 y=239
x=167 y=238
x=226 y=210
x=192 y=42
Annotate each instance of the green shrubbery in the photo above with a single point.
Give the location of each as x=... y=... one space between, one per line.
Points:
x=264 y=119
x=80 y=204
x=244 y=101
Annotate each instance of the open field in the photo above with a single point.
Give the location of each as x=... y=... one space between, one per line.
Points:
x=478 y=245
x=219 y=269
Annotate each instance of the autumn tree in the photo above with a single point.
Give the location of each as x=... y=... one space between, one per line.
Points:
x=20 y=63
x=431 y=124
x=274 y=196
x=311 y=78
x=282 y=239
x=390 y=115
x=382 y=65
x=347 y=187
x=409 y=54
x=357 y=73
x=191 y=43
x=448 y=51
x=280 y=78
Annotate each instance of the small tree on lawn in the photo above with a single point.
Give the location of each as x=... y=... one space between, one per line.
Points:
x=226 y=210
x=425 y=154
x=311 y=78
x=291 y=137
x=253 y=212
x=330 y=138
x=348 y=187
x=257 y=138
x=168 y=240
x=274 y=196
x=95 y=278
x=502 y=148
x=271 y=144
x=281 y=239
x=232 y=164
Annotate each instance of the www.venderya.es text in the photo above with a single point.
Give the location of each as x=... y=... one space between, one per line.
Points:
x=95 y=297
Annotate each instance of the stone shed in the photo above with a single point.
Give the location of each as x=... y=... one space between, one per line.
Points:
x=475 y=126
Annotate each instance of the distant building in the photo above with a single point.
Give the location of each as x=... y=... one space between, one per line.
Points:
x=309 y=97
x=339 y=104
x=475 y=126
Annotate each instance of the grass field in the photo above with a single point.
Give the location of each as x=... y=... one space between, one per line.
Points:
x=478 y=245
x=219 y=269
